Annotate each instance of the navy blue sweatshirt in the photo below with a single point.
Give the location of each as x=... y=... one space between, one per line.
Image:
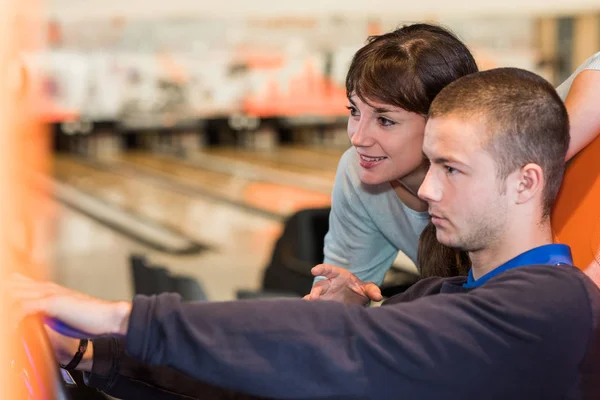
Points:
x=529 y=333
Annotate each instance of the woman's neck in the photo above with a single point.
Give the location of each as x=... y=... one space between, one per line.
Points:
x=407 y=189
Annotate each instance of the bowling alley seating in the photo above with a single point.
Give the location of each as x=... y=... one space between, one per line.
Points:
x=154 y=279
x=298 y=250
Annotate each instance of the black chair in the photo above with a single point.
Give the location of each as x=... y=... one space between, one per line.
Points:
x=149 y=280
x=298 y=250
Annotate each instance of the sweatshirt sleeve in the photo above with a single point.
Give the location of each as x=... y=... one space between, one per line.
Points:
x=118 y=375
x=501 y=338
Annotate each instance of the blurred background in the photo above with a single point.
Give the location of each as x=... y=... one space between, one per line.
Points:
x=185 y=136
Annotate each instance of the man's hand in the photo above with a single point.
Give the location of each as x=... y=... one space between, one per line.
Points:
x=342 y=286
x=85 y=313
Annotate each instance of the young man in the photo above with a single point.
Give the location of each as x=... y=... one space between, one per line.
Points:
x=523 y=325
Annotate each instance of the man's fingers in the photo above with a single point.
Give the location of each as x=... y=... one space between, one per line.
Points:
x=26 y=297
x=25 y=307
x=21 y=310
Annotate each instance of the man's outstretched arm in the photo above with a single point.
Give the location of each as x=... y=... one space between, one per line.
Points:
x=121 y=376
x=426 y=348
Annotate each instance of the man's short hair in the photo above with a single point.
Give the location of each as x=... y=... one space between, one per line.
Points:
x=525 y=119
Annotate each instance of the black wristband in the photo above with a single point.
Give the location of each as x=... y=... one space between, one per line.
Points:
x=83 y=344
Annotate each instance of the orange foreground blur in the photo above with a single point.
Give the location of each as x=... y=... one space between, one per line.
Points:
x=24 y=152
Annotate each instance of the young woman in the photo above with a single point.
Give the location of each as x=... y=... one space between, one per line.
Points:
x=390 y=85
x=375 y=208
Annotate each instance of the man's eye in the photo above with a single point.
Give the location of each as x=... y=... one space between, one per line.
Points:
x=451 y=170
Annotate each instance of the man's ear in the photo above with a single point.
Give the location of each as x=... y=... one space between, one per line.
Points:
x=529 y=183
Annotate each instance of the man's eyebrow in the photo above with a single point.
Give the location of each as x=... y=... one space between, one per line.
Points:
x=446 y=160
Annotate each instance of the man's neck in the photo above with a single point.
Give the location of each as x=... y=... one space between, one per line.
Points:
x=488 y=259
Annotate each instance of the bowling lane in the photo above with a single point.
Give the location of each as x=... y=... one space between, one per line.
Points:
x=296 y=159
x=92 y=258
x=88 y=253
x=277 y=199
x=197 y=217
x=320 y=150
x=91 y=252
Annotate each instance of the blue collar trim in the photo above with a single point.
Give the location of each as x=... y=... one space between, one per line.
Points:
x=550 y=254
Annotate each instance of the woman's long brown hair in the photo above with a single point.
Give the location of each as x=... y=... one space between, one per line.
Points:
x=435 y=259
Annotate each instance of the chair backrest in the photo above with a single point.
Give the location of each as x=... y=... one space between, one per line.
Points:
x=576 y=214
x=297 y=251
x=155 y=279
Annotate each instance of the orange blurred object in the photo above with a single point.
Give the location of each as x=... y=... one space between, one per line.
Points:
x=54 y=33
x=172 y=69
x=24 y=214
x=576 y=216
x=374 y=27
x=283 y=199
x=309 y=93
x=259 y=59
x=48 y=112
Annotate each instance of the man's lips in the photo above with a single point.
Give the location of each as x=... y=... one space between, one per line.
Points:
x=436 y=218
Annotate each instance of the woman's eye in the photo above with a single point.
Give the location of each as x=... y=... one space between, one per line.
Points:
x=386 y=122
x=353 y=111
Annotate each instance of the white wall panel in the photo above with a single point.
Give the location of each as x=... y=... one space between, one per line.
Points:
x=84 y=9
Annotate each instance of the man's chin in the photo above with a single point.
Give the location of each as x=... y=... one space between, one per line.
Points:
x=445 y=239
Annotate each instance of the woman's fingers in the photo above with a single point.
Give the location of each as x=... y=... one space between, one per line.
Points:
x=327 y=270
x=372 y=291
x=319 y=289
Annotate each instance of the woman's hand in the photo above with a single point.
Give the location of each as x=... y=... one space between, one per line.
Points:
x=342 y=286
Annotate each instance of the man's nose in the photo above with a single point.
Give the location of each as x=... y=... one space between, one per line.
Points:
x=430 y=190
